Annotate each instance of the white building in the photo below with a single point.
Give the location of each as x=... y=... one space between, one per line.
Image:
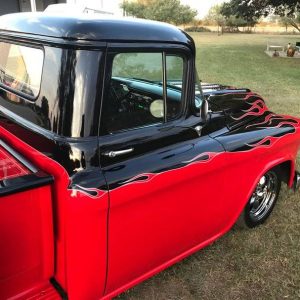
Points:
x=111 y=7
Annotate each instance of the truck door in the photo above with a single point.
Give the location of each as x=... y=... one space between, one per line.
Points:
x=160 y=173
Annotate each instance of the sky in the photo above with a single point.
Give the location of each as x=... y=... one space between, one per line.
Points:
x=202 y=6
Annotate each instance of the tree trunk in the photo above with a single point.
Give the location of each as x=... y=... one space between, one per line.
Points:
x=294 y=24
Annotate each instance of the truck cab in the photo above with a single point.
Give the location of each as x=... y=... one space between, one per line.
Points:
x=114 y=158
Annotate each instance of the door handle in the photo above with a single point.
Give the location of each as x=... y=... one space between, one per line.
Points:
x=113 y=154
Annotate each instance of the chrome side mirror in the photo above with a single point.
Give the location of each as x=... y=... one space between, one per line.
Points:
x=203 y=111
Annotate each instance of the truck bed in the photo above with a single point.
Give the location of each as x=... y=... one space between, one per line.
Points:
x=26 y=229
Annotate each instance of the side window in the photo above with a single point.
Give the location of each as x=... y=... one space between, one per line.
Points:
x=21 y=68
x=144 y=89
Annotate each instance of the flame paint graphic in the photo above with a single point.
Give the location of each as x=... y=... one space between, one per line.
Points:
x=142 y=178
x=206 y=157
x=269 y=119
x=268 y=123
x=202 y=158
x=257 y=108
x=249 y=95
x=265 y=142
x=281 y=124
x=146 y=177
x=90 y=192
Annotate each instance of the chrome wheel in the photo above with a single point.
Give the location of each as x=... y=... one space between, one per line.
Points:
x=262 y=201
x=264 y=196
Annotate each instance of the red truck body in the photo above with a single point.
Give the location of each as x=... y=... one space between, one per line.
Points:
x=86 y=213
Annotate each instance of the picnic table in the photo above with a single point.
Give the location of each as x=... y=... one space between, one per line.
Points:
x=274 y=46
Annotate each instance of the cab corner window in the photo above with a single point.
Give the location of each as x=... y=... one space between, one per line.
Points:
x=21 y=68
x=136 y=97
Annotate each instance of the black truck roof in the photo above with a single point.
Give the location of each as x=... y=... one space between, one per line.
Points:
x=91 y=28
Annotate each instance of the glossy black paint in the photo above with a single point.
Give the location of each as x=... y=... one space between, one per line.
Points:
x=64 y=121
x=73 y=154
x=156 y=149
x=247 y=137
x=92 y=28
x=61 y=108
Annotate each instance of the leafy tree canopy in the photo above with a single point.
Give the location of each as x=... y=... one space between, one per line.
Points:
x=260 y=8
x=224 y=17
x=215 y=15
x=240 y=9
x=254 y=9
x=170 y=11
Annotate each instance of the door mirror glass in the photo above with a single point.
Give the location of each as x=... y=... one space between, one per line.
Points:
x=200 y=102
x=157 y=108
x=203 y=111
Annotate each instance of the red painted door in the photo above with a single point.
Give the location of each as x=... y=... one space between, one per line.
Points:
x=162 y=204
x=160 y=173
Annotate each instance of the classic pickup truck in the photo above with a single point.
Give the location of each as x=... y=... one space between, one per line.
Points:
x=115 y=161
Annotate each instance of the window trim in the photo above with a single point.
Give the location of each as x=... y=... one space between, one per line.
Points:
x=165 y=92
x=17 y=92
x=165 y=50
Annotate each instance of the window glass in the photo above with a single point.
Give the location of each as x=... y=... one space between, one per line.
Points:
x=174 y=65
x=136 y=96
x=21 y=68
x=198 y=92
x=143 y=66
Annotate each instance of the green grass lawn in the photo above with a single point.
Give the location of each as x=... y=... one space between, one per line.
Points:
x=262 y=263
x=239 y=59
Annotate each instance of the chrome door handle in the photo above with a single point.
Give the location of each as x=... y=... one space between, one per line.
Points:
x=113 y=154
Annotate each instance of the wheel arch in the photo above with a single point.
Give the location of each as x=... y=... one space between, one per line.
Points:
x=284 y=166
x=285 y=171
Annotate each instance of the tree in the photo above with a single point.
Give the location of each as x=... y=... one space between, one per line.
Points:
x=233 y=23
x=257 y=8
x=240 y=11
x=136 y=9
x=285 y=21
x=215 y=16
x=170 y=11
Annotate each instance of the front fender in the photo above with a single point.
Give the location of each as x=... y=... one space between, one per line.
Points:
x=252 y=150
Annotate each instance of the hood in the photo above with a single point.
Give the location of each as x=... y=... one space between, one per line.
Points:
x=238 y=106
x=209 y=89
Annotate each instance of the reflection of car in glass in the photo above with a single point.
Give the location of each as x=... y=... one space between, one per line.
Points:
x=115 y=160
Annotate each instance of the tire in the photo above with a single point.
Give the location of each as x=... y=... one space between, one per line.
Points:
x=261 y=202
